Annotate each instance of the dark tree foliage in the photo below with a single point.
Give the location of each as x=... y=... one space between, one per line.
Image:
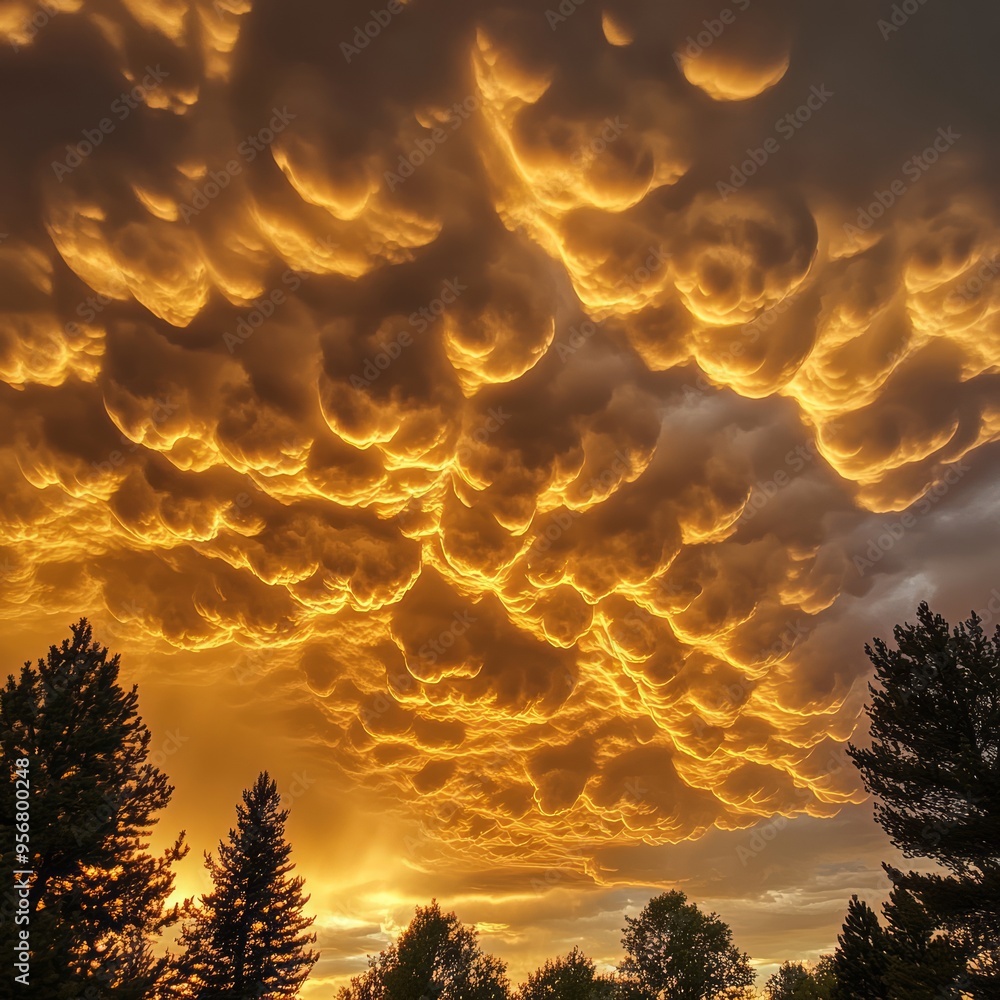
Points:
x=824 y=977
x=249 y=938
x=673 y=950
x=861 y=960
x=934 y=766
x=921 y=965
x=793 y=981
x=96 y=902
x=572 y=977
x=435 y=958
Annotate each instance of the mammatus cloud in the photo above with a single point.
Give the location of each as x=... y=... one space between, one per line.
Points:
x=536 y=391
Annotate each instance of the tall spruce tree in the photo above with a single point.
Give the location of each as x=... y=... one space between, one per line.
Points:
x=96 y=902
x=922 y=965
x=249 y=940
x=861 y=959
x=934 y=767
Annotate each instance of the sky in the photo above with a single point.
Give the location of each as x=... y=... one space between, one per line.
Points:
x=506 y=424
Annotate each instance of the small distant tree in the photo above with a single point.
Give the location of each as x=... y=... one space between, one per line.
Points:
x=788 y=983
x=573 y=977
x=435 y=958
x=249 y=938
x=824 y=977
x=861 y=959
x=934 y=766
x=793 y=981
x=96 y=904
x=674 y=950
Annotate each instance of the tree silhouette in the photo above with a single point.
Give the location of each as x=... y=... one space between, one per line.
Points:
x=921 y=965
x=861 y=960
x=674 y=950
x=793 y=981
x=435 y=958
x=934 y=766
x=96 y=900
x=572 y=977
x=249 y=939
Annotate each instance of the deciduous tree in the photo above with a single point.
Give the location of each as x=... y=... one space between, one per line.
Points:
x=793 y=981
x=572 y=977
x=435 y=958
x=673 y=950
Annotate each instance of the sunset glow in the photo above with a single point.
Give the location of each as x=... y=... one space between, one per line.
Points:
x=508 y=430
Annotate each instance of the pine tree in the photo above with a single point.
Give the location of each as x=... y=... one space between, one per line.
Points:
x=934 y=767
x=861 y=959
x=921 y=965
x=97 y=899
x=435 y=958
x=249 y=940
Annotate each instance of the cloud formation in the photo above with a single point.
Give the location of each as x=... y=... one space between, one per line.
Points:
x=542 y=394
